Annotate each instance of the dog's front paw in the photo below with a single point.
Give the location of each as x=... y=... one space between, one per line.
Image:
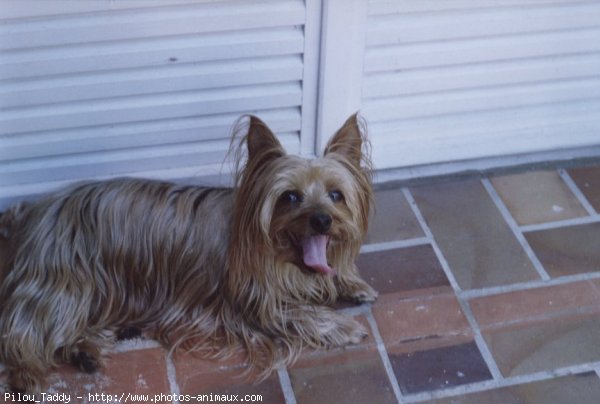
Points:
x=358 y=334
x=365 y=295
x=340 y=330
x=359 y=292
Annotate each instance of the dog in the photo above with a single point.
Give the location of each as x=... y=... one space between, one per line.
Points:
x=253 y=268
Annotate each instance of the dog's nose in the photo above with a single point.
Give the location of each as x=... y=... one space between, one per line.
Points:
x=320 y=222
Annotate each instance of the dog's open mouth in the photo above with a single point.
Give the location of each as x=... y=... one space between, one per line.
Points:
x=314 y=253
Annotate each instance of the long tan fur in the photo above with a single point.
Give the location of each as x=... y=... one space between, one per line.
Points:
x=207 y=269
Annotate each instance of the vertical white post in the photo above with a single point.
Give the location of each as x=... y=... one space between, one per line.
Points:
x=341 y=65
x=310 y=78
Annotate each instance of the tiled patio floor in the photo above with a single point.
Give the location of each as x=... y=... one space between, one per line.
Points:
x=489 y=293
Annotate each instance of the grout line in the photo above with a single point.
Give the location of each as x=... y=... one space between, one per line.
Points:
x=560 y=223
x=390 y=245
x=577 y=192
x=429 y=235
x=454 y=391
x=589 y=311
x=506 y=382
x=384 y=357
x=477 y=336
x=286 y=385
x=515 y=287
x=172 y=376
x=485 y=351
x=353 y=311
x=515 y=229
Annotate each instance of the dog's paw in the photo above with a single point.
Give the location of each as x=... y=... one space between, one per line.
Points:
x=351 y=333
x=366 y=295
x=360 y=293
x=85 y=362
x=358 y=334
x=341 y=330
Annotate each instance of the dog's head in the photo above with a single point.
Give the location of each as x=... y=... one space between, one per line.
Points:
x=304 y=210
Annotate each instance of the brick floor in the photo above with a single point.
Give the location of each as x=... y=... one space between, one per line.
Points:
x=489 y=293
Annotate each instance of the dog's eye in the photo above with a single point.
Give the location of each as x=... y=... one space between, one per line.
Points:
x=291 y=197
x=336 y=196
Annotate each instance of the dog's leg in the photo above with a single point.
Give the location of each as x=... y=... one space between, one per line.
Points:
x=26 y=380
x=352 y=287
x=340 y=330
x=321 y=326
x=86 y=356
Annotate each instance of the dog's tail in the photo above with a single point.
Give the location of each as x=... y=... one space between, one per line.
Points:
x=10 y=218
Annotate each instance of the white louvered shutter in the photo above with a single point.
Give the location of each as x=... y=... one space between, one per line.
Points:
x=456 y=80
x=99 y=89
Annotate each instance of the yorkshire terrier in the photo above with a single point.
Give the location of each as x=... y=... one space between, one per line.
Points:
x=255 y=267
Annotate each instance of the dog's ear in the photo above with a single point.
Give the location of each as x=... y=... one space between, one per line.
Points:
x=347 y=141
x=261 y=141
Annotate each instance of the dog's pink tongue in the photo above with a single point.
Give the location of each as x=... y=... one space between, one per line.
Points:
x=315 y=254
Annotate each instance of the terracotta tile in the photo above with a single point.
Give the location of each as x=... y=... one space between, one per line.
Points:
x=480 y=248
x=393 y=218
x=524 y=348
x=402 y=269
x=567 y=250
x=224 y=377
x=199 y=376
x=537 y=197
x=350 y=376
x=526 y=305
x=342 y=374
x=439 y=368
x=583 y=388
x=136 y=372
x=420 y=322
x=588 y=181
